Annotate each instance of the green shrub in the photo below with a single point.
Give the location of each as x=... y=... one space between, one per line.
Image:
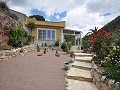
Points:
x=64 y=47
x=28 y=39
x=69 y=45
x=17 y=36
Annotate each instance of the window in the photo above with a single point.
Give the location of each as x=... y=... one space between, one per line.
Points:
x=46 y=34
x=53 y=35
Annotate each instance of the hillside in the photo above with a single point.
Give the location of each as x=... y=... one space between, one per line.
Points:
x=113 y=25
x=6 y=25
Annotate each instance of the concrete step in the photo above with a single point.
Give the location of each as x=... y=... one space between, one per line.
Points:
x=79 y=74
x=77 y=51
x=82 y=65
x=84 y=59
x=79 y=85
x=83 y=54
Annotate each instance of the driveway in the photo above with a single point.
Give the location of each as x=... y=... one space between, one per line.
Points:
x=32 y=72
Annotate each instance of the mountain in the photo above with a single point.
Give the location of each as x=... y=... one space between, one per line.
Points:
x=113 y=25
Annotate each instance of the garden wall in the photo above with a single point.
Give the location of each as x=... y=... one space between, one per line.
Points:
x=101 y=82
x=7 y=54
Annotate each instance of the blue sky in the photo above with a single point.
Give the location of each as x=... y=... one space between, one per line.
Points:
x=55 y=18
x=81 y=15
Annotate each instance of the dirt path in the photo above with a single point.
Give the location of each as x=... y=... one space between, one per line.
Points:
x=32 y=72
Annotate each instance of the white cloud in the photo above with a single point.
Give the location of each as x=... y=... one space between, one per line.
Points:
x=57 y=17
x=80 y=14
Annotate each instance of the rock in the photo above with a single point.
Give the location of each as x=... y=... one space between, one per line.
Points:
x=3 y=57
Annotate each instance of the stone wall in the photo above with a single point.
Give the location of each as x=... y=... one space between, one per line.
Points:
x=101 y=82
x=7 y=54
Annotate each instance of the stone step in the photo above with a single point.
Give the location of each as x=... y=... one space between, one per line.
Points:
x=83 y=54
x=79 y=74
x=84 y=59
x=82 y=65
x=79 y=85
x=77 y=51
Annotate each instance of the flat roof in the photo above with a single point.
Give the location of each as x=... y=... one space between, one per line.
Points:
x=48 y=23
x=72 y=30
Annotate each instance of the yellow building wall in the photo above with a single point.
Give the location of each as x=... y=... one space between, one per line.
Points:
x=58 y=30
x=34 y=32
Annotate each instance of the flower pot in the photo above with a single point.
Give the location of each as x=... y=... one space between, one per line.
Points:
x=66 y=65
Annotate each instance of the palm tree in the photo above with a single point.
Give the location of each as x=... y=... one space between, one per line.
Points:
x=31 y=26
x=92 y=31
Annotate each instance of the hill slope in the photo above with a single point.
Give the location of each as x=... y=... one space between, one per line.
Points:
x=113 y=25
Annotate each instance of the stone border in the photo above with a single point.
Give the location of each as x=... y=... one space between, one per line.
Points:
x=101 y=82
x=7 y=54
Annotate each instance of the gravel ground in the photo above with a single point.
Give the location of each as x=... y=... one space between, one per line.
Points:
x=32 y=72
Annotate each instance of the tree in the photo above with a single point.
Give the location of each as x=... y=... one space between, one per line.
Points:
x=92 y=31
x=31 y=26
x=38 y=17
x=69 y=39
x=3 y=6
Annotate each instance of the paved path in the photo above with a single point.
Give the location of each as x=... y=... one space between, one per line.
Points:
x=32 y=72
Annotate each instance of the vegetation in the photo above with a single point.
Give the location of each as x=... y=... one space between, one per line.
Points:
x=3 y=6
x=17 y=36
x=31 y=26
x=38 y=17
x=64 y=47
x=28 y=39
x=113 y=25
x=69 y=39
x=112 y=61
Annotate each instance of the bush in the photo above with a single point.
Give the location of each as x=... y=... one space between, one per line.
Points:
x=28 y=39
x=17 y=36
x=112 y=61
x=69 y=45
x=64 y=47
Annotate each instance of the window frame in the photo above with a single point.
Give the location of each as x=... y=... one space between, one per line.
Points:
x=46 y=39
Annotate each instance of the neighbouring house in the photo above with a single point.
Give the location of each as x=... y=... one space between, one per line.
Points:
x=49 y=32
x=76 y=33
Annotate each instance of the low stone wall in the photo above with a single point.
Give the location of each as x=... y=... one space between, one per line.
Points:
x=7 y=54
x=101 y=82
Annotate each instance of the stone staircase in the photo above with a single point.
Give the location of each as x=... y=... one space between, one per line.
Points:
x=78 y=77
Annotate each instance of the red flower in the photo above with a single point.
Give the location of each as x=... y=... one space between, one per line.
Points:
x=108 y=35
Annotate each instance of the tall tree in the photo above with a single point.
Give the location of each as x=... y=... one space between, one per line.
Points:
x=38 y=17
x=3 y=6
